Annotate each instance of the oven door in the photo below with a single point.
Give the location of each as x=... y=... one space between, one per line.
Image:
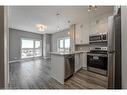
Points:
x=97 y=63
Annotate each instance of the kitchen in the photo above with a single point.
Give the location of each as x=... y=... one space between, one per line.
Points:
x=70 y=47
x=90 y=51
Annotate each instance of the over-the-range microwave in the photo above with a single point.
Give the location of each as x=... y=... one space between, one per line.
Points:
x=98 y=38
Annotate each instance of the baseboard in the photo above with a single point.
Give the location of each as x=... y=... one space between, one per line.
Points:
x=21 y=60
x=46 y=57
x=85 y=68
x=14 y=61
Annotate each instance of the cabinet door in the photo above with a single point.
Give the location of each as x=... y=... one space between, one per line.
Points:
x=93 y=28
x=78 y=34
x=85 y=34
x=84 y=60
x=82 y=34
x=102 y=26
x=78 y=61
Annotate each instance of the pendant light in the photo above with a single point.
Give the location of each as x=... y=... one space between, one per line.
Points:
x=58 y=21
x=69 y=23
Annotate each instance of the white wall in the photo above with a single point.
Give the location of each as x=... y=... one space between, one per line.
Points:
x=124 y=46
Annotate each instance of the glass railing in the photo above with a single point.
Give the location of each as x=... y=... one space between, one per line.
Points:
x=28 y=53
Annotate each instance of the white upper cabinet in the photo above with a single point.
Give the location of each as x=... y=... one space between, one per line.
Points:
x=99 y=26
x=78 y=35
x=82 y=34
x=85 y=34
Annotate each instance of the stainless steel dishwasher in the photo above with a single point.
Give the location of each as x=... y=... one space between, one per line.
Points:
x=69 y=65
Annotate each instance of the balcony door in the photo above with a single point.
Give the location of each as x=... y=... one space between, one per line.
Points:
x=30 y=48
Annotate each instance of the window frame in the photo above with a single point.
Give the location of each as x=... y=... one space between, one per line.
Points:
x=38 y=48
x=58 y=44
x=31 y=48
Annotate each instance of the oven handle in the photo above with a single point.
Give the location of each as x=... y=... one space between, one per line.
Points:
x=101 y=55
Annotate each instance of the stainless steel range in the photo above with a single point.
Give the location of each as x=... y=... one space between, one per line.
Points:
x=97 y=60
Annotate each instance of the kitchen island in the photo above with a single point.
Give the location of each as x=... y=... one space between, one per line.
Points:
x=63 y=65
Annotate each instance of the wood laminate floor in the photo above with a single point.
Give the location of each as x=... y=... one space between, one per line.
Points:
x=36 y=75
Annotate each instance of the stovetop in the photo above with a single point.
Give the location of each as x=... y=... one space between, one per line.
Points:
x=98 y=52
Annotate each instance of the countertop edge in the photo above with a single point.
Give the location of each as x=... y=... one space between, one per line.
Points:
x=76 y=52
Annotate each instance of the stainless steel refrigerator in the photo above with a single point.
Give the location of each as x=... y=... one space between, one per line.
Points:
x=114 y=52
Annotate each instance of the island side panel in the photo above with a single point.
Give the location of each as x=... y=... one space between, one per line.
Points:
x=57 y=68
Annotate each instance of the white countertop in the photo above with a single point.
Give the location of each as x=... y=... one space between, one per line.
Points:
x=68 y=53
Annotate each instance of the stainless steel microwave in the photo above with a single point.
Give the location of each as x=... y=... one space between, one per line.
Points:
x=98 y=38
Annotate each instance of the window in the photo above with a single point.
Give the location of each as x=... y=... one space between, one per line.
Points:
x=38 y=50
x=30 y=48
x=63 y=44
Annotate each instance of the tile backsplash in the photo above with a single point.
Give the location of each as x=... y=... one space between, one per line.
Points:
x=87 y=47
x=82 y=47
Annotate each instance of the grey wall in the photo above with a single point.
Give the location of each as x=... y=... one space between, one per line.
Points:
x=124 y=46
x=46 y=45
x=15 y=42
x=2 y=47
x=57 y=35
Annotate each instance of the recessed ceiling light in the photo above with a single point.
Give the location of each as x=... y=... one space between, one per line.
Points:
x=41 y=27
x=69 y=21
x=68 y=33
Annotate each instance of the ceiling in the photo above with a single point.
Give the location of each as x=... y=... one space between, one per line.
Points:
x=26 y=17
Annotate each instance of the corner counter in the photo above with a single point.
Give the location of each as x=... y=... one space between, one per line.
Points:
x=66 y=53
x=58 y=65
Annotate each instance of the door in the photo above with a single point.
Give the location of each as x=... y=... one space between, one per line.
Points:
x=30 y=48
